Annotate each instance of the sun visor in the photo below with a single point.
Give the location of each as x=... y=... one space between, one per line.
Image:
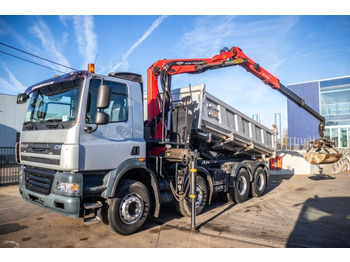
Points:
x=62 y=78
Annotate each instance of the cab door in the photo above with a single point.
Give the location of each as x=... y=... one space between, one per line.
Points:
x=113 y=143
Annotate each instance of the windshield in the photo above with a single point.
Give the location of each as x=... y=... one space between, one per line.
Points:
x=54 y=103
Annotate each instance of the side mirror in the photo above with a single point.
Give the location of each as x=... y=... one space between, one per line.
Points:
x=103 y=97
x=103 y=100
x=101 y=118
x=22 y=98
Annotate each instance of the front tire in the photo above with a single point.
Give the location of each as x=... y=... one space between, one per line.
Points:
x=129 y=210
x=184 y=206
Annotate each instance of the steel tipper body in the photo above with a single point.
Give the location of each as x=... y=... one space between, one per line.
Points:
x=221 y=127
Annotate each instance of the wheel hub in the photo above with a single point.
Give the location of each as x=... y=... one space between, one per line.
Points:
x=242 y=185
x=260 y=181
x=131 y=208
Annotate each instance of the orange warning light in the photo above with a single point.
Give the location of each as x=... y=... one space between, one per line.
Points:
x=91 y=68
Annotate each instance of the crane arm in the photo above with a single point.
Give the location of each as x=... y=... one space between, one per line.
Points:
x=227 y=57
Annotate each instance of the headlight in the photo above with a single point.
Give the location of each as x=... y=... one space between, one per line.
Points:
x=67 y=187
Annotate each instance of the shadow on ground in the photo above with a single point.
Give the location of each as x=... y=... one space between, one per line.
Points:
x=169 y=213
x=323 y=222
x=275 y=181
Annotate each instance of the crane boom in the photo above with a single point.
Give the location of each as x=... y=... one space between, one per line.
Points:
x=159 y=103
x=227 y=57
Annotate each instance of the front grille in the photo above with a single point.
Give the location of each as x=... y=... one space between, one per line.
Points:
x=41 y=148
x=44 y=153
x=38 y=180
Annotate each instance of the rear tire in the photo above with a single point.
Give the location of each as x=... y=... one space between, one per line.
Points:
x=259 y=183
x=129 y=210
x=240 y=192
x=184 y=206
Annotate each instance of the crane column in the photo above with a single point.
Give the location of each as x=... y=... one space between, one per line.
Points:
x=193 y=188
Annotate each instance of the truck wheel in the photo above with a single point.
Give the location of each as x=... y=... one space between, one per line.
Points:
x=184 y=206
x=259 y=183
x=242 y=187
x=129 y=210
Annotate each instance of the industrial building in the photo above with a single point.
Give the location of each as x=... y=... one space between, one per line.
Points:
x=329 y=97
x=11 y=120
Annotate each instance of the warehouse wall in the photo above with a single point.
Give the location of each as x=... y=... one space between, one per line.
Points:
x=11 y=119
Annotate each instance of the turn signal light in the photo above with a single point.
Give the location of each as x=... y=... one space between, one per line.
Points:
x=91 y=68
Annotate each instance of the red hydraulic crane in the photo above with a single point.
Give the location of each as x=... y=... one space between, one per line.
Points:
x=159 y=103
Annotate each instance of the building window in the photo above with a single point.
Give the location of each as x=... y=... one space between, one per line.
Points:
x=343 y=137
x=335 y=136
x=327 y=133
x=335 y=101
x=335 y=82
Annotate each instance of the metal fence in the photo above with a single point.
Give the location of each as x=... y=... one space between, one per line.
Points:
x=8 y=167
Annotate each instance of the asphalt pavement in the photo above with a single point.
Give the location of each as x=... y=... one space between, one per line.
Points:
x=296 y=211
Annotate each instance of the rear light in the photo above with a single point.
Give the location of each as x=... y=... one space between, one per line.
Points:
x=279 y=162
x=276 y=162
x=272 y=163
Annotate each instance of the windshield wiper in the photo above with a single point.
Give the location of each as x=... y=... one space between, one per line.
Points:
x=58 y=124
x=29 y=125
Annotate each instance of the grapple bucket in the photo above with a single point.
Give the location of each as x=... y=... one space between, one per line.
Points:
x=322 y=152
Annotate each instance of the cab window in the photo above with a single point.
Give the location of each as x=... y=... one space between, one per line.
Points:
x=117 y=110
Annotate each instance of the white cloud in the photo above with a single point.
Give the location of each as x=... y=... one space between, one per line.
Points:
x=52 y=48
x=124 y=60
x=65 y=37
x=64 y=20
x=85 y=37
x=267 y=41
x=12 y=86
x=208 y=35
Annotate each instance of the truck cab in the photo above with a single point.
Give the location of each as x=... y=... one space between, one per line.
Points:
x=81 y=132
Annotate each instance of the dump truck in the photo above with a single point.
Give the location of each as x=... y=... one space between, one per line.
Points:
x=87 y=151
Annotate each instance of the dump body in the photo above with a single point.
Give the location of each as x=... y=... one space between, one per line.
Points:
x=216 y=121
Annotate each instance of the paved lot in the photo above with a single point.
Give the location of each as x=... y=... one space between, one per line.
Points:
x=297 y=211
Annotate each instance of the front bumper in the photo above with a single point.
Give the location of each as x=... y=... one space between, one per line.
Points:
x=61 y=203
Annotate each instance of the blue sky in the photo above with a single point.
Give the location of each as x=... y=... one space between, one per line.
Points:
x=293 y=48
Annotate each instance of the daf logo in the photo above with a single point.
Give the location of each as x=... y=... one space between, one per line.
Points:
x=57 y=147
